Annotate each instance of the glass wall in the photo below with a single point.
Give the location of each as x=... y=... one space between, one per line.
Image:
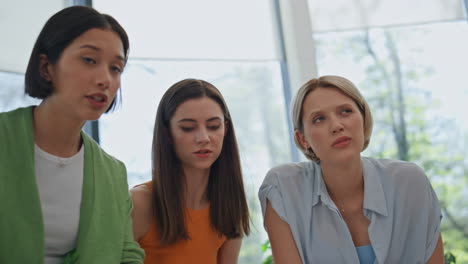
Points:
x=12 y=93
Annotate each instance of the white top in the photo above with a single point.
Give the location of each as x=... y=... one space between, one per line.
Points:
x=402 y=207
x=59 y=181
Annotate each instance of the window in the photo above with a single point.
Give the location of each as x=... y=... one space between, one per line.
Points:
x=12 y=93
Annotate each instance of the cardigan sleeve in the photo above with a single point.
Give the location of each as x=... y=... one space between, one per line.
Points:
x=106 y=232
x=132 y=253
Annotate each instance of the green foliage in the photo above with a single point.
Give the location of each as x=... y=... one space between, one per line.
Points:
x=450 y=258
x=266 y=248
x=268 y=260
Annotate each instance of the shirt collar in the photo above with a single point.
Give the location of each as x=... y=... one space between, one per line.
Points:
x=374 y=196
x=320 y=189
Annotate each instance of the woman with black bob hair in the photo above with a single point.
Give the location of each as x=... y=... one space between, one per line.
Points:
x=195 y=209
x=63 y=199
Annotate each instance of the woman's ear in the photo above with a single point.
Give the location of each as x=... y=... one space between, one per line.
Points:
x=44 y=67
x=301 y=139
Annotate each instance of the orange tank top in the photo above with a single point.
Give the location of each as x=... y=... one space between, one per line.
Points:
x=202 y=248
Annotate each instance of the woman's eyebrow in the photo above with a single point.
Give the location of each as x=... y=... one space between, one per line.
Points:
x=193 y=120
x=186 y=120
x=89 y=46
x=213 y=119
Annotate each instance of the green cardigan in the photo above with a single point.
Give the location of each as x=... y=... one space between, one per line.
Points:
x=105 y=228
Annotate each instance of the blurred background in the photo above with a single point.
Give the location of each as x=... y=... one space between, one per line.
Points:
x=409 y=59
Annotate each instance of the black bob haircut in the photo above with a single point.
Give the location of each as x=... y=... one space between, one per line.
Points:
x=58 y=32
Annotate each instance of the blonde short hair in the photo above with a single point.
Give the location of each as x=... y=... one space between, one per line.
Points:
x=343 y=85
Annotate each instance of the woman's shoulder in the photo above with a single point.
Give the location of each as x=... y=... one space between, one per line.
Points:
x=141 y=195
x=142 y=209
x=290 y=187
x=397 y=171
x=17 y=112
x=16 y=119
x=16 y=136
x=392 y=165
x=294 y=170
x=292 y=176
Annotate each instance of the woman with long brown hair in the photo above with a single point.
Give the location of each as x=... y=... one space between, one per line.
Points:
x=195 y=209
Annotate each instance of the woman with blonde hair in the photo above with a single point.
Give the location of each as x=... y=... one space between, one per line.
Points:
x=340 y=207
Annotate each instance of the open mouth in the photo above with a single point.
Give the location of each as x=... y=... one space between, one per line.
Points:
x=98 y=98
x=204 y=151
x=97 y=101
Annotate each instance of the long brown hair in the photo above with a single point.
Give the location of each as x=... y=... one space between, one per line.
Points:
x=229 y=214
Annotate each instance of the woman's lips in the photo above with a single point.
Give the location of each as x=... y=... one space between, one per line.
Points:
x=97 y=100
x=203 y=153
x=341 y=142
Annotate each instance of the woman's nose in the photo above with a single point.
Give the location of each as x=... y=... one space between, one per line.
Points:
x=202 y=136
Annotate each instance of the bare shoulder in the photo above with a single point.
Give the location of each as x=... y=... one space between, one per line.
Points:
x=142 y=210
x=141 y=194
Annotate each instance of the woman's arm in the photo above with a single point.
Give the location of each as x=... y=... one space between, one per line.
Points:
x=281 y=239
x=142 y=211
x=132 y=252
x=229 y=251
x=438 y=255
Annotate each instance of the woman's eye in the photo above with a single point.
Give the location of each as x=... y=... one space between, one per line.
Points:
x=88 y=60
x=213 y=128
x=187 y=129
x=116 y=69
x=318 y=119
x=347 y=111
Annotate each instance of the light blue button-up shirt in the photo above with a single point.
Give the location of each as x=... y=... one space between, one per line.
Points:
x=399 y=201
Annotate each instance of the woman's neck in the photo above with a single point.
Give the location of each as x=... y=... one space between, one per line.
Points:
x=56 y=133
x=344 y=181
x=196 y=194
